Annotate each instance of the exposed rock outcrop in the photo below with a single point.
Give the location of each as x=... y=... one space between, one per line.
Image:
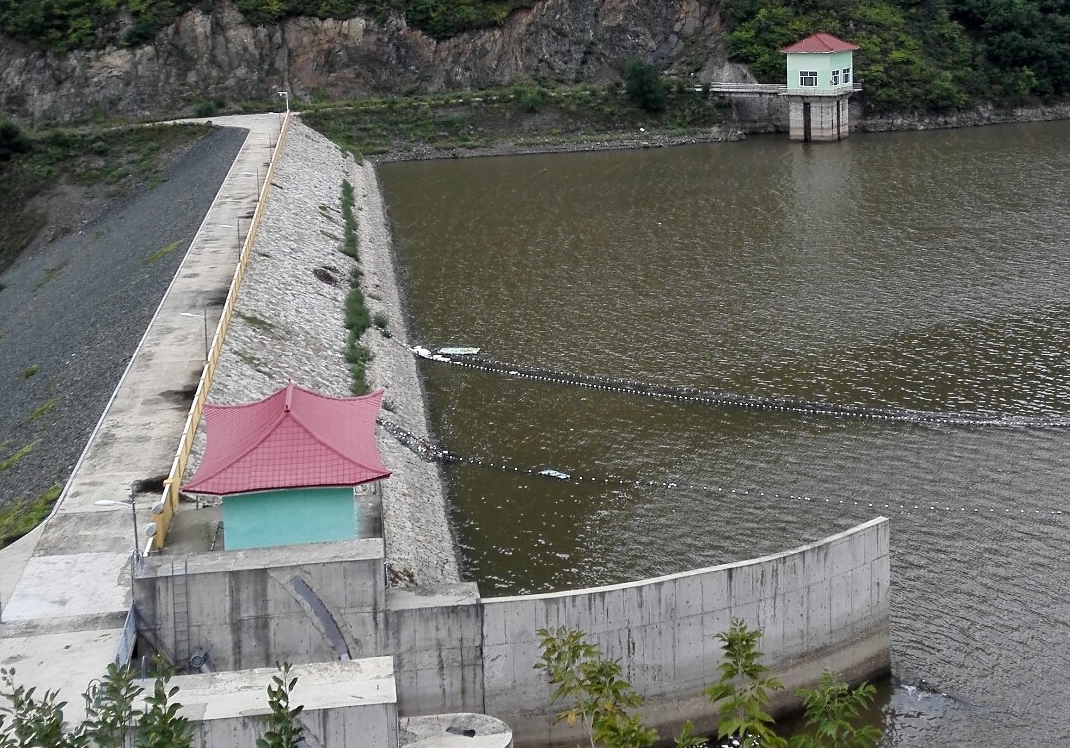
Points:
x=216 y=54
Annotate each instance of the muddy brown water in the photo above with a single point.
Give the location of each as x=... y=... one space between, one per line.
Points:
x=922 y=271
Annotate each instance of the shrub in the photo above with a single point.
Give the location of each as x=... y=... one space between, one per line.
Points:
x=207 y=107
x=644 y=85
x=12 y=140
x=742 y=692
x=831 y=710
x=530 y=98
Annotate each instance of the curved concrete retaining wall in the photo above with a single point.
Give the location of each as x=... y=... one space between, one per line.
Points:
x=822 y=605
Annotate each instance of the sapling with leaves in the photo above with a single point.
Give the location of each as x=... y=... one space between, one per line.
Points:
x=29 y=721
x=109 y=707
x=161 y=726
x=600 y=697
x=284 y=729
x=601 y=700
x=741 y=694
x=831 y=711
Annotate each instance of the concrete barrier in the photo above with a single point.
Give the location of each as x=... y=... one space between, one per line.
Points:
x=346 y=704
x=169 y=497
x=821 y=605
x=436 y=637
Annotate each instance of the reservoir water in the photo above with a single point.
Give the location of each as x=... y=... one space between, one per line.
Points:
x=923 y=271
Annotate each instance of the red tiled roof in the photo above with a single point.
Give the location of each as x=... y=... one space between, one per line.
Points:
x=820 y=44
x=292 y=439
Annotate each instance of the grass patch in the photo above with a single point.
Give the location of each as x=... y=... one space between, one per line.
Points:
x=50 y=274
x=162 y=252
x=19 y=518
x=357 y=317
x=29 y=371
x=11 y=460
x=252 y=362
x=576 y=114
x=382 y=321
x=43 y=408
x=258 y=322
x=350 y=245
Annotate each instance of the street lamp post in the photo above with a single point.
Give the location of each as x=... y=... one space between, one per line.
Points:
x=257 y=175
x=133 y=516
x=203 y=315
x=286 y=96
x=237 y=229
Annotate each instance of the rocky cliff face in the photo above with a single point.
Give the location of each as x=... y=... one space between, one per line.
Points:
x=216 y=54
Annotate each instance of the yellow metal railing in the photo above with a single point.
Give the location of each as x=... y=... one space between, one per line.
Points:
x=185 y=443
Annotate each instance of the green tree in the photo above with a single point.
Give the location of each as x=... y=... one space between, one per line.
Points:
x=741 y=694
x=644 y=85
x=601 y=700
x=284 y=730
x=831 y=711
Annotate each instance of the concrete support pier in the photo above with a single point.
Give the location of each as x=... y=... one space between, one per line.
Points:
x=818 y=118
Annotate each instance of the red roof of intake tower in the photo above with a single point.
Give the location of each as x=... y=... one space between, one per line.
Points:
x=292 y=439
x=820 y=44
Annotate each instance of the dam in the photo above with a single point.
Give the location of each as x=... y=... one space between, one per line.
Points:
x=448 y=648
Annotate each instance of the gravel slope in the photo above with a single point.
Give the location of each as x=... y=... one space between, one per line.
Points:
x=74 y=311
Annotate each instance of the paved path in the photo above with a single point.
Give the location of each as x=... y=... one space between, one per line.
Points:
x=61 y=622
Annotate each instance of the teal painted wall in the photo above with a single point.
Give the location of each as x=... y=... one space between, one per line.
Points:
x=300 y=515
x=823 y=64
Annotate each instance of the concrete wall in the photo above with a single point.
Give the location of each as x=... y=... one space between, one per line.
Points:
x=300 y=515
x=436 y=636
x=247 y=606
x=346 y=704
x=823 y=605
x=464 y=730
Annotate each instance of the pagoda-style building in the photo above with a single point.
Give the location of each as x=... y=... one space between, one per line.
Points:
x=287 y=466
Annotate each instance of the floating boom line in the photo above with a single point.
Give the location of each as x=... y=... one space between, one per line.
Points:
x=729 y=399
x=432 y=452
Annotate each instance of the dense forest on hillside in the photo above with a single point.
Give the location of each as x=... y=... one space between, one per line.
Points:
x=924 y=54
x=931 y=54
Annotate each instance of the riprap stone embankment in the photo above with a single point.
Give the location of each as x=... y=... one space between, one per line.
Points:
x=289 y=326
